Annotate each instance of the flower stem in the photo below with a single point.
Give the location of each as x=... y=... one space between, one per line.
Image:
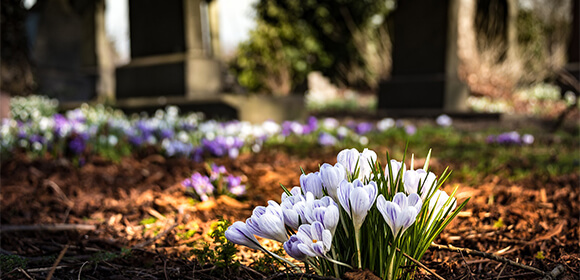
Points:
x=357 y=237
x=391 y=265
x=335 y=264
x=283 y=259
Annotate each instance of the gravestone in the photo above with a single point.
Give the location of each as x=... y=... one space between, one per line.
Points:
x=63 y=44
x=172 y=54
x=424 y=59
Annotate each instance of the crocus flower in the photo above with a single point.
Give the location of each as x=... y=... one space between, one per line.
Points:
x=323 y=210
x=410 y=129
x=314 y=240
x=311 y=182
x=216 y=171
x=351 y=159
x=385 y=124
x=201 y=184
x=295 y=191
x=357 y=199
x=234 y=185
x=527 y=139
x=439 y=206
x=240 y=234
x=363 y=128
x=291 y=248
x=395 y=169
x=325 y=139
x=444 y=120
x=292 y=207
x=401 y=213
x=331 y=177
x=419 y=180
x=268 y=222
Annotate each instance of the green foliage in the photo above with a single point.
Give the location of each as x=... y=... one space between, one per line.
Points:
x=11 y=262
x=222 y=252
x=267 y=264
x=293 y=38
x=148 y=221
x=498 y=224
x=103 y=256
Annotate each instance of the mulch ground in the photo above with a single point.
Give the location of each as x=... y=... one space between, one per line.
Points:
x=531 y=223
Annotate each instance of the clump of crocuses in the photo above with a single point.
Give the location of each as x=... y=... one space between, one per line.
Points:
x=355 y=214
x=511 y=138
x=219 y=182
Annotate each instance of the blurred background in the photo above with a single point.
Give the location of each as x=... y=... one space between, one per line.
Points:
x=295 y=58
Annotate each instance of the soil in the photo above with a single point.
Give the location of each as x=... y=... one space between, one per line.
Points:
x=531 y=223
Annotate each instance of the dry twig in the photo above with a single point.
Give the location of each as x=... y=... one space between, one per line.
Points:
x=283 y=275
x=157 y=237
x=54 y=227
x=494 y=257
x=56 y=262
x=421 y=265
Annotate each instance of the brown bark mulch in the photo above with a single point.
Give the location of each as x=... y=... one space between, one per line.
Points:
x=104 y=204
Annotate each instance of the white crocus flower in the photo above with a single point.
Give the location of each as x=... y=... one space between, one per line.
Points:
x=357 y=199
x=401 y=213
x=268 y=222
x=439 y=205
x=331 y=177
x=419 y=180
x=351 y=159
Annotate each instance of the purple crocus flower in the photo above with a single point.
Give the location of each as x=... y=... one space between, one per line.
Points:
x=363 y=128
x=444 y=120
x=326 y=139
x=201 y=185
x=310 y=126
x=512 y=137
x=410 y=129
x=234 y=185
x=78 y=143
x=216 y=171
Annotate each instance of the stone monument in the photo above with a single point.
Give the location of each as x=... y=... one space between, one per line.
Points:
x=173 y=51
x=424 y=76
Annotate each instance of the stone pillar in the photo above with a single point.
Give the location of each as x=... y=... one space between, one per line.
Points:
x=168 y=57
x=202 y=71
x=424 y=72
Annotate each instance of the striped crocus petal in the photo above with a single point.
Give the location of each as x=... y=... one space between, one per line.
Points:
x=331 y=177
x=268 y=222
x=238 y=233
x=291 y=248
x=315 y=240
x=399 y=214
x=311 y=182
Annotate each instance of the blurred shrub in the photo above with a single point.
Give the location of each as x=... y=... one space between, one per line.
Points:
x=543 y=30
x=32 y=107
x=344 y=39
